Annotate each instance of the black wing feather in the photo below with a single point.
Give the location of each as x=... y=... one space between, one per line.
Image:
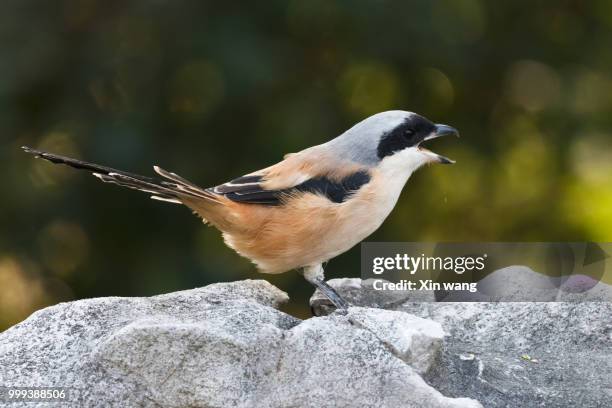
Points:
x=249 y=190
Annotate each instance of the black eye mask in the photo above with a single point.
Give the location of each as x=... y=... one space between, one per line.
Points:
x=410 y=133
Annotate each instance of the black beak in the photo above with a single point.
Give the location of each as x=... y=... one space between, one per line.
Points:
x=444 y=159
x=442 y=130
x=445 y=130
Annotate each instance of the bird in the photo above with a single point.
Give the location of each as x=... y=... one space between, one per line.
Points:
x=308 y=208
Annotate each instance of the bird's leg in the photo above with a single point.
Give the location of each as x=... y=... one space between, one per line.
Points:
x=314 y=275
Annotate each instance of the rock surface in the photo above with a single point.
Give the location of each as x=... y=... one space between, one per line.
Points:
x=226 y=345
x=555 y=354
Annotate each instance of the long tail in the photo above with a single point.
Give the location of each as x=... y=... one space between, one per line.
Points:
x=170 y=191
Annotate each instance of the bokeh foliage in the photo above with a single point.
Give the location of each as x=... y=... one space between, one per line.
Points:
x=213 y=90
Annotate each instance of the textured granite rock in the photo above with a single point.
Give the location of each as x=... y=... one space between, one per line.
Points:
x=514 y=354
x=224 y=345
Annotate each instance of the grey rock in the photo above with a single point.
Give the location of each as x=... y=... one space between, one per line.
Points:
x=514 y=354
x=414 y=340
x=580 y=288
x=521 y=284
x=362 y=292
x=224 y=345
x=512 y=284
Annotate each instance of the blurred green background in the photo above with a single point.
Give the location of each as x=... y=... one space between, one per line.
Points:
x=213 y=90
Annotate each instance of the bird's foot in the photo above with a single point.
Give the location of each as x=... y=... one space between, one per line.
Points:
x=333 y=296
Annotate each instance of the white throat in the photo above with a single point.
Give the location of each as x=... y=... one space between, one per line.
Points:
x=396 y=170
x=398 y=167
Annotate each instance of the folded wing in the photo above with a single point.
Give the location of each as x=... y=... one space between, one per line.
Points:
x=304 y=172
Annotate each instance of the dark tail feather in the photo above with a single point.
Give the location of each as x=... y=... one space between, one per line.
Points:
x=160 y=189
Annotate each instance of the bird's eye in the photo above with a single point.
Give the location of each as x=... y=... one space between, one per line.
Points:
x=408 y=132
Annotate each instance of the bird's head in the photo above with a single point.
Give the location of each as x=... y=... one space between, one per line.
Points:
x=392 y=138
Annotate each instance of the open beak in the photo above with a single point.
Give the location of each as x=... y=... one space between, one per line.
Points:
x=441 y=130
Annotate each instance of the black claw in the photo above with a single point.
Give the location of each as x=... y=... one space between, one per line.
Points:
x=332 y=295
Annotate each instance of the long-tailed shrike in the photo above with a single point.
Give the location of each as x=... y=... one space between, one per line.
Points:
x=310 y=207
